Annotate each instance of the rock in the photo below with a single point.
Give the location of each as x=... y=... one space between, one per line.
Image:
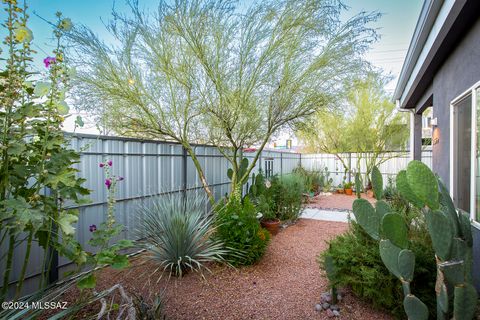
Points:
x=330 y=313
x=336 y=313
x=318 y=307
x=325 y=297
x=339 y=297
x=326 y=306
x=334 y=307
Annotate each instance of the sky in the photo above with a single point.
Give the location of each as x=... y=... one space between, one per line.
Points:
x=395 y=27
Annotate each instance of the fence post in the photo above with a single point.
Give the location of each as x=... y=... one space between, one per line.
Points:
x=184 y=171
x=51 y=263
x=281 y=163
x=300 y=159
x=349 y=167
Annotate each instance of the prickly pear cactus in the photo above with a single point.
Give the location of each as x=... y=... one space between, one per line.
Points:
x=449 y=230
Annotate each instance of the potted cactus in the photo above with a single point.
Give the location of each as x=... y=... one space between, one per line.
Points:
x=348 y=187
x=448 y=227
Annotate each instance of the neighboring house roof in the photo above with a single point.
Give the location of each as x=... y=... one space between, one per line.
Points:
x=440 y=27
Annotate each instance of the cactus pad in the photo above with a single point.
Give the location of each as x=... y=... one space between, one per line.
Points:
x=406 y=264
x=367 y=217
x=389 y=254
x=358 y=185
x=404 y=189
x=453 y=272
x=441 y=233
x=395 y=229
x=382 y=208
x=415 y=308
x=423 y=183
x=377 y=183
x=464 y=302
x=465 y=227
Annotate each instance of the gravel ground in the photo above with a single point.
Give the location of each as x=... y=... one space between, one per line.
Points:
x=285 y=284
x=335 y=201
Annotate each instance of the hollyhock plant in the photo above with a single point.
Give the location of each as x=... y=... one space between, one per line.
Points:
x=48 y=61
x=108 y=183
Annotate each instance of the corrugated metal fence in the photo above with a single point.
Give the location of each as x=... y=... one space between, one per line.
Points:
x=153 y=168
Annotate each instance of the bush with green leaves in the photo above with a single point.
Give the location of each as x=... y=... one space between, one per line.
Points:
x=315 y=181
x=178 y=234
x=287 y=194
x=239 y=229
x=359 y=266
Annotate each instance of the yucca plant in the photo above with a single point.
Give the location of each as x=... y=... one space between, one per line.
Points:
x=177 y=232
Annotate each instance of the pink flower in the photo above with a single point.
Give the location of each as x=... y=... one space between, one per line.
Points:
x=109 y=162
x=93 y=228
x=101 y=165
x=120 y=178
x=108 y=183
x=48 y=61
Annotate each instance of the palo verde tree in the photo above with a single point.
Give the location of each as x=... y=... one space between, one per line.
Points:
x=207 y=71
x=366 y=123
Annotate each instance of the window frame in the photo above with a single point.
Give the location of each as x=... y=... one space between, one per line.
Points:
x=473 y=145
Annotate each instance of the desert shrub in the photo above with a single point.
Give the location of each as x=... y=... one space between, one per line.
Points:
x=287 y=194
x=178 y=234
x=314 y=181
x=359 y=266
x=239 y=229
x=357 y=259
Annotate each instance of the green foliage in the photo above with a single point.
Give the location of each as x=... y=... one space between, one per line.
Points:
x=450 y=235
x=287 y=193
x=315 y=181
x=35 y=155
x=377 y=183
x=177 y=234
x=239 y=229
x=294 y=63
x=365 y=122
x=148 y=309
x=367 y=217
x=359 y=266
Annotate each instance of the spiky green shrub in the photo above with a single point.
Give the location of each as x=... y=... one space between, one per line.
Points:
x=240 y=230
x=178 y=234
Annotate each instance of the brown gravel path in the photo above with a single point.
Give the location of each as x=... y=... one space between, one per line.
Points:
x=336 y=201
x=285 y=284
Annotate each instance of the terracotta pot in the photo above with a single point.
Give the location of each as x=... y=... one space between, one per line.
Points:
x=271 y=225
x=341 y=191
x=348 y=192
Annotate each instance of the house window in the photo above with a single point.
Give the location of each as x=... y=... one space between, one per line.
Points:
x=465 y=151
x=268 y=167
